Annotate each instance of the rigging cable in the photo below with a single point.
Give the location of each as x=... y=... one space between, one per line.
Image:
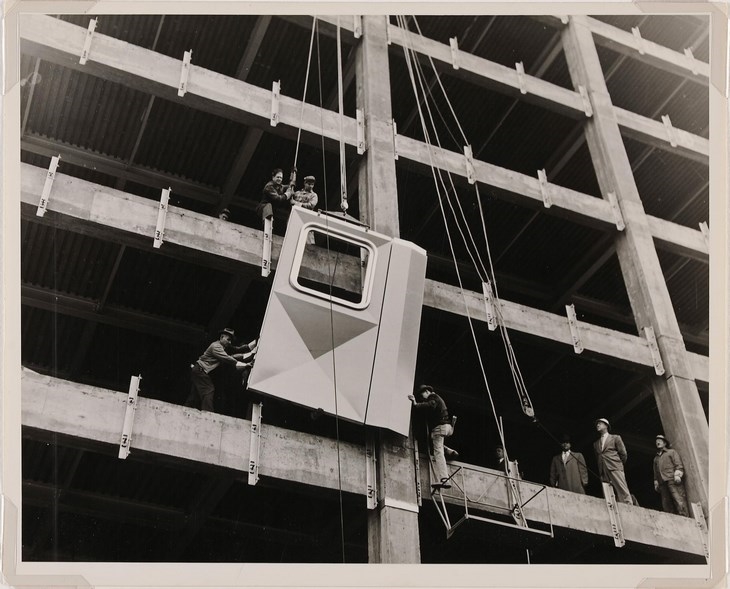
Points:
x=340 y=104
x=332 y=335
x=304 y=94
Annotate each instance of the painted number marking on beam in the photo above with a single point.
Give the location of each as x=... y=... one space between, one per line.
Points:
x=255 y=449
x=616 y=527
x=701 y=528
x=126 y=442
x=417 y=461
x=161 y=217
x=87 y=42
x=266 y=254
x=395 y=139
x=50 y=177
x=184 y=73
x=469 y=157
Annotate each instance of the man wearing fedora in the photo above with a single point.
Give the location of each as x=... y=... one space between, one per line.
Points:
x=440 y=426
x=201 y=387
x=669 y=478
x=611 y=456
x=568 y=469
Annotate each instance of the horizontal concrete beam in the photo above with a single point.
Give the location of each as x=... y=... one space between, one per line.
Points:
x=85 y=201
x=625 y=43
x=148 y=71
x=97 y=415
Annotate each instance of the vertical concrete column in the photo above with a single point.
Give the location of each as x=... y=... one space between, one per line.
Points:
x=676 y=392
x=393 y=525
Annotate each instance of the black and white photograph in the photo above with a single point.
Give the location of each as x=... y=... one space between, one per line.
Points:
x=286 y=288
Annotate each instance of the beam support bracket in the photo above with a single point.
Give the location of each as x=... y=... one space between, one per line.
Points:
x=184 y=73
x=87 y=42
x=50 y=177
x=692 y=60
x=616 y=208
x=395 y=140
x=161 y=218
x=417 y=462
x=490 y=305
x=565 y=19
x=671 y=131
x=454 y=43
x=360 y=117
x=275 y=90
x=639 y=40
x=705 y=229
x=701 y=527
x=574 y=331
x=654 y=349
x=126 y=442
x=371 y=469
x=544 y=188
x=587 y=106
x=266 y=253
x=613 y=514
x=255 y=448
x=520 y=67
x=469 y=158
x=357 y=26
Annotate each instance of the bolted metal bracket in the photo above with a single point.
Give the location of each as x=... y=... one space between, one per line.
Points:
x=613 y=514
x=371 y=466
x=705 y=232
x=654 y=349
x=565 y=20
x=617 y=216
x=357 y=26
x=395 y=139
x=184 y=73
x=360 y=131
x=469 y=157
x=126 y=442
x=574 y=331
x=587 y=106
x=87 y=42
x=266 y=254
x=544 y=188
x=275 y=90
x=692 y=60
x=161 y=217
x=255 y=448
x=46 y=193
x=454 y=42
x=701 y=528
x=490 y=305
x=671 y=131
x=639 y=40
x=519 y=66
x=417 y=462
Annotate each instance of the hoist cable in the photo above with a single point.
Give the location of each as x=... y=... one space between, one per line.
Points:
x=340 y=104
x=304 y=94
x=448 y=234
x=332 y=336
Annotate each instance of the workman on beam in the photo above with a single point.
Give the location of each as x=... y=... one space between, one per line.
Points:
x=440 y=426
x=669 y=478
x=202 y=388
x=274 y=194
x=611 y=456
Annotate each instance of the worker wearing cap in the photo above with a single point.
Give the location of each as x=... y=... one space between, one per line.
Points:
x=611 y=456
x=440 y=426
x=669 y=478
x=201 y=387
x=568 y=469
x=306 y=197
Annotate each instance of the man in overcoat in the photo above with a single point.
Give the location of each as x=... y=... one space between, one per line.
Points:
x=568 y=469
x=611 y=456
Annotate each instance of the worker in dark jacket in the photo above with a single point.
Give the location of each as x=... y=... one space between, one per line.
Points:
x=202 y=388
x=275 y=193
x=668 y=478
x=440 y=427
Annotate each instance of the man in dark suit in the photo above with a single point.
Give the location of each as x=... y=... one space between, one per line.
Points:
x=611 y=456
x=568 y=469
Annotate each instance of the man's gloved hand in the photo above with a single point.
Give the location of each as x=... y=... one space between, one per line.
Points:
x=656 y=486
x=677 y=477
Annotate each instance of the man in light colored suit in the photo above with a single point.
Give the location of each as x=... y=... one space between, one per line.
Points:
x=611 y=456
x=568 y=469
